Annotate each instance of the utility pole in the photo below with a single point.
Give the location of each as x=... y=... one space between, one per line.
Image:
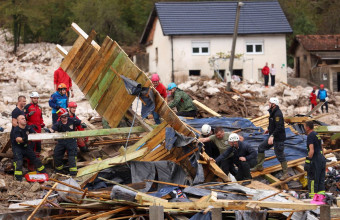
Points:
x=232 y=56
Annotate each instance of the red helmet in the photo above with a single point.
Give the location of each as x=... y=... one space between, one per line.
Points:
x=322 y=86
x=154 y=77
x=72 y=105
x=62 y=112
x=62 y=86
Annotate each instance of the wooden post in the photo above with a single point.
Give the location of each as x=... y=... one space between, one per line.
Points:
x=325 y=212
x=216 y=214
x=156 y=212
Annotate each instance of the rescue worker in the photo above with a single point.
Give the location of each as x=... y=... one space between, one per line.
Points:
x=209 y=146
x=65 y=124
x=22 y=148
x=19 y=110
x=277 y=136
x=58 y=100
x=182 y=101
x=34 y=118
x=265 y=73
x=60 y=76
x=162 y=91
x=315 y=165
x=312 y=98
x=322 y=97
x=81 y=142
x=244 y=157
x=220 y=138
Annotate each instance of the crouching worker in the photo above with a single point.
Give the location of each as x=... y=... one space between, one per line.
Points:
x=65 y=124
x=22 y=148
x=182 y=101
x=244 y=157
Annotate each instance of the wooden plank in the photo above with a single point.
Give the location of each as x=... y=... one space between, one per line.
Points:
x=328 y=129
x=80 y=32
x=206 y=108
x=215 y=168
x=156 y=212
x=106 y=163
x=86 y=133
x=140 y=120
x=72 y=53
x=296 y=119
x=315 y=108
x=61 y=50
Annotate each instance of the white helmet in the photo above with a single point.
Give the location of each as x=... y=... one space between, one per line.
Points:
x=233 y=137
x=206 y=129
x=34 y=95
x=274 y=100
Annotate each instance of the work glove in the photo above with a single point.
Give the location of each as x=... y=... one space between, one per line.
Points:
x=2 y=129
x=42 y=125
x=47 y=130
x=31 y=113
x=308 y=164
x=83 y=125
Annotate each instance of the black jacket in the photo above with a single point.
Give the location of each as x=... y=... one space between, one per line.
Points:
x=276 y=125
x=243 y=150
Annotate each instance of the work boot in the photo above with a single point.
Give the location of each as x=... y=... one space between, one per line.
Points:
x=260 y=161
x=84 y=149
x=285 y=174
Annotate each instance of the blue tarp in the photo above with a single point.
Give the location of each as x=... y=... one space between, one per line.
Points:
x=295 y=145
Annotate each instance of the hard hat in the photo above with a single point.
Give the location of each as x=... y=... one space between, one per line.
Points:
x=62 y=86
x=322 y=86
x=206 y=129
x=154 y=77
x=62 y=112
x=72 y=105
x=274 y=100
x=233 y=137
x=34 y=95
x=171 y=86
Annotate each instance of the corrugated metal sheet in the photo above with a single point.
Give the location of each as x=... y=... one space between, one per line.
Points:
x=197 y=18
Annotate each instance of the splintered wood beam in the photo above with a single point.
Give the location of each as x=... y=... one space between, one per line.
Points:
x=206 y=108
x=215 y=168
x=82 y=33
x=61 y=50
x=87 y=133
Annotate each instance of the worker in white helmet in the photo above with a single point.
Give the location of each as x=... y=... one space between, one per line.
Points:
x=243 y=157
x=209 y=147
x=276 y=138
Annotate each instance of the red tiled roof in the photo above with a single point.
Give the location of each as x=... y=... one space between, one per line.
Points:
x=320 y=42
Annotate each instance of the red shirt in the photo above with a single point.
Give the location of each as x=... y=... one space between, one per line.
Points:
x=36 y=118
x=265 y=71
x=312 y=98
x=60 y=76
x=162 y=90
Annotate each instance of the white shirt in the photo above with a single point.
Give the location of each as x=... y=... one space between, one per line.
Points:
x=272 y=71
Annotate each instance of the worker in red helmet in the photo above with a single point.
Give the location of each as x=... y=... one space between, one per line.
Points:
x=312 y=97
x=81 y=142
x=162 y=91
x=322 y=97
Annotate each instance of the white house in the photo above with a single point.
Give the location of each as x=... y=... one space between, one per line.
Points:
x=181 y=37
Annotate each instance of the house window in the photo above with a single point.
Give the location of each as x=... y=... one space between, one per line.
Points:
x=194 y=72
x=200 y=47
x=254 y=48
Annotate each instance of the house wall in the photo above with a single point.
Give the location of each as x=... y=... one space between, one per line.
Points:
x=304 y=64
x=274 y=51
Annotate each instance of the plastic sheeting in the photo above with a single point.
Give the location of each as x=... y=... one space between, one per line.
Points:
x=295 y=145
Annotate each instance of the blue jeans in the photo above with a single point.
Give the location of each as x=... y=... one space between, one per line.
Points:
x=156 y=117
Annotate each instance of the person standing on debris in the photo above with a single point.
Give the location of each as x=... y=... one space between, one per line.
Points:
x=277 y=136
x=182 y=101
x=81 y=142
x=315 y=165
x=272 y=75
x=58 y=100
x=34 y=117
x=265 y=72
x=162 y=91
x=19 y=110
x=220 y=138
x=322 y=97
x=22 y=148
x=209 y=146
x=66 y=124
x=312 y=97
x=243 y=156
x=60 y=76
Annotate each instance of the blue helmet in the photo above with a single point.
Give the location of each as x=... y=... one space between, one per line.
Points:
x=171 y=86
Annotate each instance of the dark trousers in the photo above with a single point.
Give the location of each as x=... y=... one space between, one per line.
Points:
x=272 y=80
x=18 y=155
x=54 y=118
x=266 y=80
x=227 y=166
x=71 y=147
x=316 y=177
x=324 y=105
x=211 y=149
x=192 y=113
x=278 y=149
x=156 y=117
x=243 y=171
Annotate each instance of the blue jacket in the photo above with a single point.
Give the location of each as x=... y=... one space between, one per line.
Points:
x=57 y=101
x=322 y=94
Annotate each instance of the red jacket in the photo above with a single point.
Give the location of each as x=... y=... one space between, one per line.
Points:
x=35 y=119
x=60 y=76
x=265 y=70
x=312 y=98
x=162 y=90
